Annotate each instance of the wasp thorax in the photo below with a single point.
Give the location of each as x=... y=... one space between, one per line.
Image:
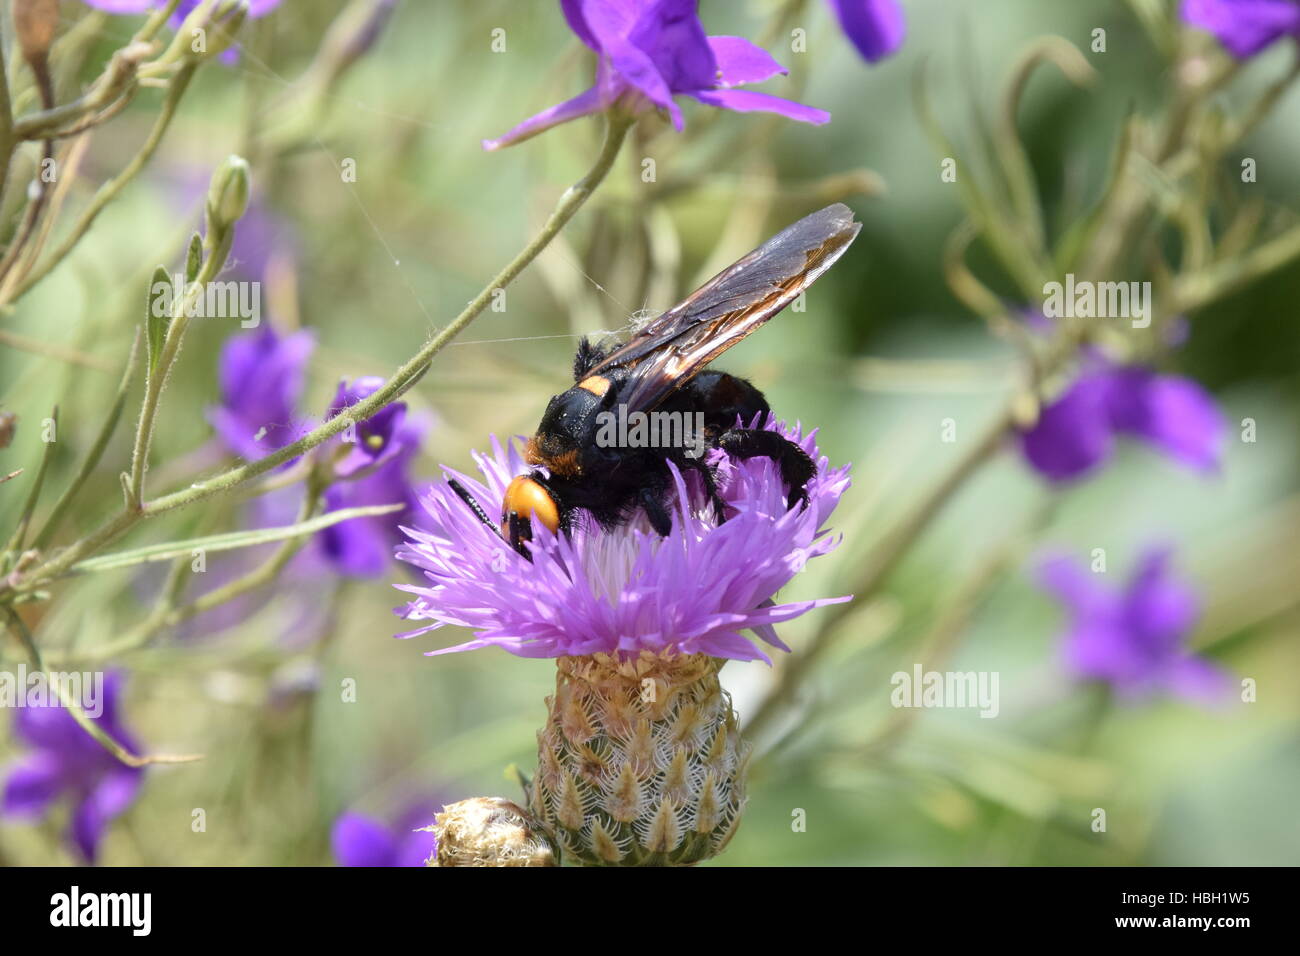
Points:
x=526 y=498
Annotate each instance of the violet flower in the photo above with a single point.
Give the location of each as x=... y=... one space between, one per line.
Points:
x=1135 y=640
x=359 y=840
x=261 y=378
x=1245 y=27
x=626 y=591
x=875 y=27
x=650 y=51
x=1076 y=433
x=374 y=470
x=65 y=761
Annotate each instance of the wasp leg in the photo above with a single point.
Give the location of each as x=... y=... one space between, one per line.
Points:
x=660 y=520
x=710 y=486
x=519 y=530
x=796 y=467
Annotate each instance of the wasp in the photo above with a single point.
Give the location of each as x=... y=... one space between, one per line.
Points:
x=662 y=370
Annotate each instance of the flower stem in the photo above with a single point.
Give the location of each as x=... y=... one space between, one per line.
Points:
x=110 y=189
x=884 y=559
x=407 y=375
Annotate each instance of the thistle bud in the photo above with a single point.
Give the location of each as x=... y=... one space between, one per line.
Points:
x=490 y=831
x=228 y=194
x=641 y=762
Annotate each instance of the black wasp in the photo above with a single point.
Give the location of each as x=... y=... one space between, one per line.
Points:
x=662 y=369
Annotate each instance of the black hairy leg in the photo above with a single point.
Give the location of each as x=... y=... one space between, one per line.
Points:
x=796 y=467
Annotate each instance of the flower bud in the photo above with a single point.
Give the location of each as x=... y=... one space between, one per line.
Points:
x=641 y=762
x=35 y=22
x=208 y=31
x=228 y=194
x=490 y=831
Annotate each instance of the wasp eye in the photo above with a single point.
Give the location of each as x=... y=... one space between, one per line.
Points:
x=528 y=499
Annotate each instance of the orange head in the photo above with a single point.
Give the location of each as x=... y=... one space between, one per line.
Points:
x=527 y=498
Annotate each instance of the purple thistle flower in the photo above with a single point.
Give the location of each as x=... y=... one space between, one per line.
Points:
x=1244 y=27
x=875 y=27
x=1134 y=640
x=374 y=471
x=359 y=840
x=261 y=379
x=65 y=761
x=650 y=51
x=627 y=590
x=1077 y=432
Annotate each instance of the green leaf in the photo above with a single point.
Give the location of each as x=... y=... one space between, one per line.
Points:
x=226 y=542
x=194 y=260
x=155 y=325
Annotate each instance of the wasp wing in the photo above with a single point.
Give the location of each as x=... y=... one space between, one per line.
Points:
x=677 y=345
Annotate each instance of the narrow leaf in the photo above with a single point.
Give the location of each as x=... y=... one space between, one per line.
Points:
x=229 y=541
x=157 y=313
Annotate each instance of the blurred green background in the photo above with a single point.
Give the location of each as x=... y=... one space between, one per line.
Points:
x=881 y=356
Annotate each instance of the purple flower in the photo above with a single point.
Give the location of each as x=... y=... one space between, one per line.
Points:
x=1245 y=27
x=650 y=51
x=65 y=761
x=1134 y=640
x=261 y=379
x=627 y=590
x=374 y=470
x=363 y=841
x=875 y=27
x=1076 y=433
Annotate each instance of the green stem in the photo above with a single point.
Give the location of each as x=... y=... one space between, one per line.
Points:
x=96 y=451
x=569 y=203
x=110 y=189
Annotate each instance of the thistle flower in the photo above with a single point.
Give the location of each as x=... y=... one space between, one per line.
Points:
x=65 y=761
x=1076 y=433
x=641 y=759
x=1244 y=27
x=650 y=51
x=625 y=591
x=359 y=840
x=875 y=27
x=1135 y=639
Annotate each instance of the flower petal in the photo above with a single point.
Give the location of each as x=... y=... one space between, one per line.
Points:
x=1244 y=27
x=360 y=841
x=740 y=61
x=875 y=27
x=750 y=101
x=1073 y=434
x=584 y=104
x=33 y=784
x=1174 y=414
